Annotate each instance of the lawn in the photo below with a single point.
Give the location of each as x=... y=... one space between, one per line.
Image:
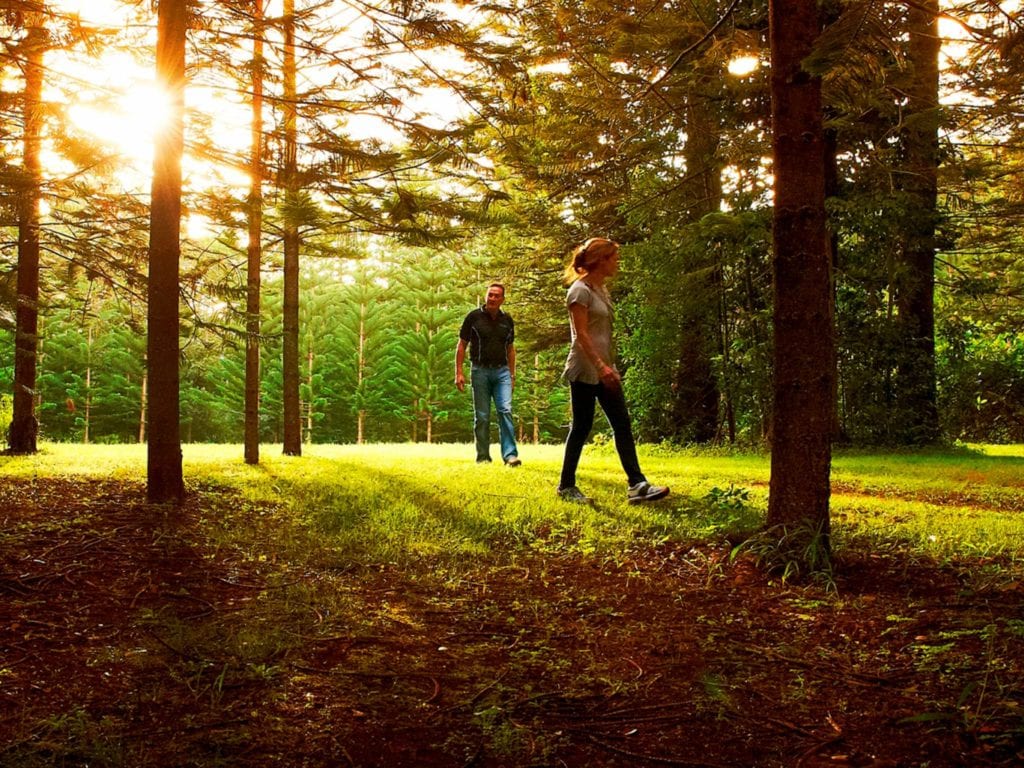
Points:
x=403 y=606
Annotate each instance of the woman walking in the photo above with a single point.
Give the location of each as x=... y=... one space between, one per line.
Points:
x=591 y=373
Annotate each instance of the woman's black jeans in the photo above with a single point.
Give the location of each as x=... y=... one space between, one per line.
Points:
x=613 y=403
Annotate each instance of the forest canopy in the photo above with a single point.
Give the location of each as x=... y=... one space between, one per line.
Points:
x=407 y=154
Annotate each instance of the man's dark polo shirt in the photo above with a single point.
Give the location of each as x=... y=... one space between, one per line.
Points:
x=488 y=338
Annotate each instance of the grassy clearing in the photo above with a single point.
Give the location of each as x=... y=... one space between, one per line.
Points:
x=394 y=502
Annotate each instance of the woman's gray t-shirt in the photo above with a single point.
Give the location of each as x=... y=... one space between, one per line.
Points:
x=600 y=316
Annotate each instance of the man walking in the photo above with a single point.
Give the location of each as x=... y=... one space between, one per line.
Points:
x=490 y=335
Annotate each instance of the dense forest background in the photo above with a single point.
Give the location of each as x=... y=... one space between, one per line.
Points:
x=415 y=151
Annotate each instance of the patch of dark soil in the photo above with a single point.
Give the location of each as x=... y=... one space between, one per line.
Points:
x=131 y=636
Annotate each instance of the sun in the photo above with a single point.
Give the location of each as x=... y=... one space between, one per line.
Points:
x=741 y=66
x=129 y=122
x=114 y=98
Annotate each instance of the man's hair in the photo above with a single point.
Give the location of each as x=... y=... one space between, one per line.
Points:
x=496 y=285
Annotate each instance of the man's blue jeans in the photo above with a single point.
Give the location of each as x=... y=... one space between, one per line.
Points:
x=496 y=384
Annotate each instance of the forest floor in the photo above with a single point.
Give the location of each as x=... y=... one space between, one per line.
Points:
x=131 y=635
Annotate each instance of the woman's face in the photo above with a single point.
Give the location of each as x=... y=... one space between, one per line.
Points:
x=610 y=265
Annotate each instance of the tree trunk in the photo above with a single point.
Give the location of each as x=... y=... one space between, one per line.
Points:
x=803 y=315
x=88 y=386
x=695 y=390
x=254 y=251
x=915 y=281
x=832 y=189
x=536 y=399
x=24 y=429
x=290 y=342
x=165 y=482
x=309 y=385
x=360 y=372
x=142 y=408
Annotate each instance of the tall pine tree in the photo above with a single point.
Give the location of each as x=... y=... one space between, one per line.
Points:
x=165 y=482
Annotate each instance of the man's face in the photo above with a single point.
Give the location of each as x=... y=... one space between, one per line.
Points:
x=494 y=299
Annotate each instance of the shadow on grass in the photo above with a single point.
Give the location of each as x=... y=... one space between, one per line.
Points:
x=394 y=514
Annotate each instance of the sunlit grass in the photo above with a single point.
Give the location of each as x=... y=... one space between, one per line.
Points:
x=396 y=502
x=68 y=459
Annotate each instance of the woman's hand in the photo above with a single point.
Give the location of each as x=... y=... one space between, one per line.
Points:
x=609 y=376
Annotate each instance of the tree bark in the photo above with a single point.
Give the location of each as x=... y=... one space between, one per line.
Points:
x=142 y=408
x=310 y=357
x=915 y=282
x=695 y=388
x=361 y=372
x=803 y=311
x=536 y=399
x=24 y=429
x=88 y=385
x=165 y=482
x=290 y=342
x=254 y=252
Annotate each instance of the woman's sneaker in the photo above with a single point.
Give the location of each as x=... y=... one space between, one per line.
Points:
x=644 y=491
x=572 y=493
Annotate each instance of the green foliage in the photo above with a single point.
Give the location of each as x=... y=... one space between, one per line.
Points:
x=90 y=375
x=6 y=409
x=981 y=382
x=552 y=154
x=718 y=261
x=792 y=553
x=874 y=362
x=731 y=498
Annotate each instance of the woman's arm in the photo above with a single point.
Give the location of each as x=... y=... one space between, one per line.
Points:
x=581 y=322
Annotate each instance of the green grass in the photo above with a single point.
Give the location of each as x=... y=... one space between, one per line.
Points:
x=392 y=502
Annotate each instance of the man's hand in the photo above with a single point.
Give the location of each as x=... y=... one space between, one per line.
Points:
x=460 y=357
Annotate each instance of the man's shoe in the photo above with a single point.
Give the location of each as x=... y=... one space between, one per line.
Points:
x=644 y=491
x=483 y=461
x=513 y=461
x=572 y=493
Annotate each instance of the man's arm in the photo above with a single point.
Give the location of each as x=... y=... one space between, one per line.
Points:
x=512 y=362
x=460 y=358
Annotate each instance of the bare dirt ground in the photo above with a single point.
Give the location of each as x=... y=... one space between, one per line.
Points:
x=131 y=639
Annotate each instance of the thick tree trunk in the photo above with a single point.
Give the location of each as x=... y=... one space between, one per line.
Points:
x=24 y=429
x=254 y=252
x=290 y=342
x=165 y=482
x=915 y=284
x=803 y=315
